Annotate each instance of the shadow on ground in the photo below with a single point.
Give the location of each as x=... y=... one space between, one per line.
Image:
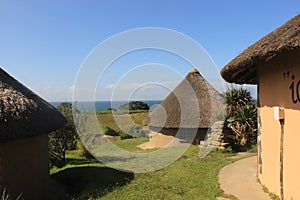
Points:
x=91 y=182
x=77 y=161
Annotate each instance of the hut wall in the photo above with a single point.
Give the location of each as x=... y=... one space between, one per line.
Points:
x=98 y=140
x=114 y=138
x=185 y=133
x=30 y=157
x=279 y=86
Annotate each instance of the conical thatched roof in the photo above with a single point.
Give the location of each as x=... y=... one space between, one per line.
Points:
x=242 y=69
x=189 y=105
x=23 y=113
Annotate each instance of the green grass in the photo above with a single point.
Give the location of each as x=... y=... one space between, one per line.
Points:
x=75 y=159
x=187 y=178
x=123 y=111
x=131 y=145
x=253 y=149
x=266 y=190
x=108 y=119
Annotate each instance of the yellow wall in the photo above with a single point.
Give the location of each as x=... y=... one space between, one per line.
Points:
x=269 y=148
x=275 y=79
x=25 y=167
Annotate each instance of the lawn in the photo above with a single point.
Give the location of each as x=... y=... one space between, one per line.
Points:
x=187 y=178
x=109 y=120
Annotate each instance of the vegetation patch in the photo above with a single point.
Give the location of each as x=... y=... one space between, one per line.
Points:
x=266 y=190
x=241 y=118
x=108 y=119
x=187 y=178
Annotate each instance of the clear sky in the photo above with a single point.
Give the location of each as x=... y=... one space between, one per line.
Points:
x=43 y=43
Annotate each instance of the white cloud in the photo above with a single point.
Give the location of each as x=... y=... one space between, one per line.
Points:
x=120 y=91
x=109 y=86
x=54 y=93
x=136 y=90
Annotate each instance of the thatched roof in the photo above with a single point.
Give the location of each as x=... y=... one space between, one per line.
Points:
x=193 y=92
x=23 y=113
x=242 y=69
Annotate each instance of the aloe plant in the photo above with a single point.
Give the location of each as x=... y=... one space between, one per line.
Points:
x=5 y=195
x=241 y=118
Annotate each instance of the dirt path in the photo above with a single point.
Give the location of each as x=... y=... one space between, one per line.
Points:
x=239 y=179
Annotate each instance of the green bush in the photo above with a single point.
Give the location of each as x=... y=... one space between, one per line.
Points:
x=136 y=131
x=134 y=105
x=109 y=131
x=63 y=139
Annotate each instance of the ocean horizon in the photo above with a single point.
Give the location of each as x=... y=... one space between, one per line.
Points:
x=103 y=105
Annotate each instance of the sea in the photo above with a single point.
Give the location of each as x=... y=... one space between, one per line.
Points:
x=103 y=105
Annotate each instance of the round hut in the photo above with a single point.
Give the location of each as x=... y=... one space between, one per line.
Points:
x=26 y=119
x=193 y=106
x=273 y=64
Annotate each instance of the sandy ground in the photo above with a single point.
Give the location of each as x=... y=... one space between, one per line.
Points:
x=240 y=180
x=161 y=141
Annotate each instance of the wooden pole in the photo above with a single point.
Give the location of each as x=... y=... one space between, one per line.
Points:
x=281 y=158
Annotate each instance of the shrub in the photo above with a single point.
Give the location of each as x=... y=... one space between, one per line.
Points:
x=134 y=105
x=136 y=131
x=63 y=139
x=109 y=131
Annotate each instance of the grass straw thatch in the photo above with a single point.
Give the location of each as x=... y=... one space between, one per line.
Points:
x=242 y=69
x=180 y=108
x=23 y=113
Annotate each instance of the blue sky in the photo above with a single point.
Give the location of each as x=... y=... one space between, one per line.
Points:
x=43 y=43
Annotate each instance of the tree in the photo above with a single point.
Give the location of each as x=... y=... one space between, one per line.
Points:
x=134 y=105
x=241 y=118
x=112 y=109
x=81 y=117
x=63 y=139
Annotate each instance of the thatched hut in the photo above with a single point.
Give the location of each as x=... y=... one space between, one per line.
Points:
x=193 y=106
x=100 y=139
x=26 y=119
x=273 y=64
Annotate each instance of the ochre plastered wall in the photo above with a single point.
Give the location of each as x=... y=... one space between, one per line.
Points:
x=25 y=166
x=277 y=81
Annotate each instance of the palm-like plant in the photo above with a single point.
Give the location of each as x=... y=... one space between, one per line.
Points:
x=237 y=97
x=244 y=124
x=5 y=196
x=241 y=118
